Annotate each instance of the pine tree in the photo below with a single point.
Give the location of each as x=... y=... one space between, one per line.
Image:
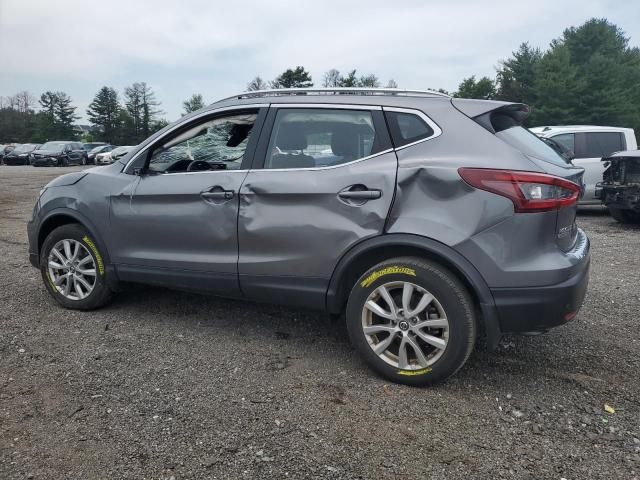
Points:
x=195 y=102
x=515 y=77
x=141 y=104
x=104 y=113
x=257 y=84
x=296 y=78
x=481 y=89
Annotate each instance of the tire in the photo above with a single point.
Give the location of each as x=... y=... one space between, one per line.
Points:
x=74 y=234
x=451 y=305
x=624 y=216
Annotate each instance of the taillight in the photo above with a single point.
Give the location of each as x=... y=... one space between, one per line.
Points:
x=529 y=191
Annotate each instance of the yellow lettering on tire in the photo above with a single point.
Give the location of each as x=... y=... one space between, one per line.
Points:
x=411 y=373
x=386 y=271
x=95 y=251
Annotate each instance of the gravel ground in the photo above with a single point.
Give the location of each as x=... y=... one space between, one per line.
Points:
x=164 y=384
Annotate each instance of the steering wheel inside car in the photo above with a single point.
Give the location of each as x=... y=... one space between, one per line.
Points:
x=198 y=166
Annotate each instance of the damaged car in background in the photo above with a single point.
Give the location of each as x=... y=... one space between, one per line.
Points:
x=620 y=188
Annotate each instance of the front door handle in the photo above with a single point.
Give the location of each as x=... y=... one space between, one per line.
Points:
x=360 y=194
x=217 y=194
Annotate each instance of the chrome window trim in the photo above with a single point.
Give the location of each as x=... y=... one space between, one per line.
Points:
x=437 y=131
x=327 y=167
x=201 y=171
x=195 y=117
x=333 y=106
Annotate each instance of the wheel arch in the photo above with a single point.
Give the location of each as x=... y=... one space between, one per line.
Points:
x=64 y=216
x=374 y=250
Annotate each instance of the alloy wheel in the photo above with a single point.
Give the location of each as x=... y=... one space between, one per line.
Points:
x=405 y=325
x=72 y=269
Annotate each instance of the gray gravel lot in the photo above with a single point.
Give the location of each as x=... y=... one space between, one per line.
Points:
x=164 y=384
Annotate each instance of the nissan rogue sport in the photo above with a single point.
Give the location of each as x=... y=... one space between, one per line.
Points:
x=427 y=220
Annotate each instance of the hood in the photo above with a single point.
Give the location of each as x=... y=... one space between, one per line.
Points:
x=68 y=179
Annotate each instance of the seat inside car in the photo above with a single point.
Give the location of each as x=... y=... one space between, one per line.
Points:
x=291 y=136
x=345 y=142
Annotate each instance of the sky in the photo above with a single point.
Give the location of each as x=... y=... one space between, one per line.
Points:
x=215 y=48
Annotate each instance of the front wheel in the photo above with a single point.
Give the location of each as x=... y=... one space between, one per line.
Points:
x=412 y=321
x=73 y=269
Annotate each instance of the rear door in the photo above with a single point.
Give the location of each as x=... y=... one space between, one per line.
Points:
x=323 y=179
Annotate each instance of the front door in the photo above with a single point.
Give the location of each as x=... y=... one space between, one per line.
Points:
x=176 y=223
x=324 y=180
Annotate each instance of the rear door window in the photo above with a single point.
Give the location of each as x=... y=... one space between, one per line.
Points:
x=597 y=144
x=529 y=144
x=320 y=137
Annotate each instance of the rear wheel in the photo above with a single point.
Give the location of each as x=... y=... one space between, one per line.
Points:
x=624 y=216
x=73 y=269
x=412 y=321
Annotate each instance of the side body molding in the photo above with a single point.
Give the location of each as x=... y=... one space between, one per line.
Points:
x=337 y=292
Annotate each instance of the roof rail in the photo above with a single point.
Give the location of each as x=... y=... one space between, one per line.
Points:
x=335 y=91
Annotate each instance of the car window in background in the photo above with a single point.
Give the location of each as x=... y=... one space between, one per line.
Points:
x=567 y=140
x=53 y=146
x=307 y=137
x=529 y=144
x=598 y=144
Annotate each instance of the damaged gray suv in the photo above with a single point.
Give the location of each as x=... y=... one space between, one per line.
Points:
x=429 y=221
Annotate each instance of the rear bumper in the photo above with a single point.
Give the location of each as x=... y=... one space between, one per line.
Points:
x=536 y=309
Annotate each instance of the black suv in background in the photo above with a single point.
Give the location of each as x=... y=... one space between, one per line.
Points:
x=59 y=154
x=20 y=154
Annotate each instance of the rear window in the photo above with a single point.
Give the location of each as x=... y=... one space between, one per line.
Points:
x=407 y=128
x=529 y=144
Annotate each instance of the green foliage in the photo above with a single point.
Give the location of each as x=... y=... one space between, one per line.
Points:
x=195 y=102
x=140 y=103
x=484 y=88
x=514 y=81
x=296 y=78
x=104 y=114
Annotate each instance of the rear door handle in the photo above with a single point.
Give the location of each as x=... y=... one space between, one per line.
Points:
x=360 y=194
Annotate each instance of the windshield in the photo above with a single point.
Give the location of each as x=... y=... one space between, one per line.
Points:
x=55 y=146
x=529 y=144
x=100 y=148
x=25 y=147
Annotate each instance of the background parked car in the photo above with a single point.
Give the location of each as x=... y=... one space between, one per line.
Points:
x=60 y=154
x=90 y=146
x=589 y=144
x=109 y=157
x=91 y=156
x=4 y=149
x=620 y=188
x=20 y=154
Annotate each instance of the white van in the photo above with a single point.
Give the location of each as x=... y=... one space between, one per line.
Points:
x=589 y=144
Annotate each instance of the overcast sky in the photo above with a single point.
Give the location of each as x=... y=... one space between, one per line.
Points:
x=215 y=48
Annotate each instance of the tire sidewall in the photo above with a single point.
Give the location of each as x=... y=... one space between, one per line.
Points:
x=100 y=291
x=439 y=283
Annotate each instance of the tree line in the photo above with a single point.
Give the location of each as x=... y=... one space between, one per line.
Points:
x=125 y=122
x=589 y=75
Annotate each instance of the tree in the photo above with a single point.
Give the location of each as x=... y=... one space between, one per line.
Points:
x=104 y=113
x=482 y=89
x=65 y=116
x=369 y=81
x=515 y=77
x=349 y=81
x=196 y=102
x=141 y=104
x=392 y=84
x=257 y=84
x=331 y=78
x=56 y=117
x=296 y=78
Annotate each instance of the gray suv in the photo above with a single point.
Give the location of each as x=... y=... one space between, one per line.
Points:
x=427 y=220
